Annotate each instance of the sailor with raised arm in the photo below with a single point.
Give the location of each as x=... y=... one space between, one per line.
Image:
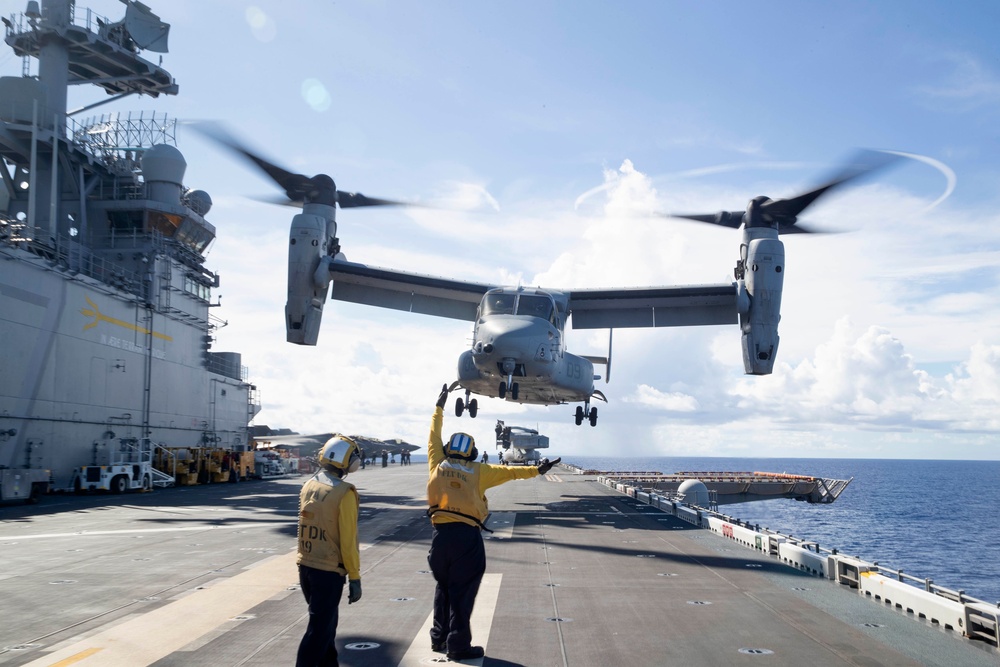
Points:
x=456 y=495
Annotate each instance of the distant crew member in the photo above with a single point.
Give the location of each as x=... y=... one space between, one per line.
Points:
x=328 y=548
x=456 y=494
x=486 y=457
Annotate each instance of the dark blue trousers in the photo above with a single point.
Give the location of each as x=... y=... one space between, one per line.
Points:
x=322 y=591
x=458 y=561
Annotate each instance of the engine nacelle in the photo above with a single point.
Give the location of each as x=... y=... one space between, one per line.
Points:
x=764 y=277
x=308 y=242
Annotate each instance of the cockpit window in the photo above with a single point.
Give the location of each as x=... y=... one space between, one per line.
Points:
x=498 y=303
x=536 y=306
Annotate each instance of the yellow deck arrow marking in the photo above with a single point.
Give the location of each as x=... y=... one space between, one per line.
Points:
x=101 y=317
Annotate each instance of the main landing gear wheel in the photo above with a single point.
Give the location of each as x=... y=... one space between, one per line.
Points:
x=583 y=413
x=460 y=407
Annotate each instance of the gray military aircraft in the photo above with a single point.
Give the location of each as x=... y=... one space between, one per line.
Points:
x=519 y=350
x=519 y=444
x=309 y=444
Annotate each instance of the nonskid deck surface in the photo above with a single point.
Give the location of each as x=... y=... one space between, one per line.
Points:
x=577 y=574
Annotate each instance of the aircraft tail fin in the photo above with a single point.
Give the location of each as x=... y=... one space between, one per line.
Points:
x=605 y=361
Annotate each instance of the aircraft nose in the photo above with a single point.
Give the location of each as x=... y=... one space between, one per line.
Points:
x=511 y=338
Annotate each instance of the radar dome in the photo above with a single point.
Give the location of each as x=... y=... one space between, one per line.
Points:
x=163 y=163
x=199 y=202
x=163 y=169
x=693 y=492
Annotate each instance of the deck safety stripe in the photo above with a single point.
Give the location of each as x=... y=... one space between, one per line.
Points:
x=420 y=651
x=152 y=636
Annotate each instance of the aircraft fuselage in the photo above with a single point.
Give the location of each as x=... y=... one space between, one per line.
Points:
x=518 y=351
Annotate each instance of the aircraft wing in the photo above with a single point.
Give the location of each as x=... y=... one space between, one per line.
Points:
x=634 y=307
x=373 y=446
x=412 y=292
x=317 y=440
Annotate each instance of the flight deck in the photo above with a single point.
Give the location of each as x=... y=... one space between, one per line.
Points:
x=578 y=573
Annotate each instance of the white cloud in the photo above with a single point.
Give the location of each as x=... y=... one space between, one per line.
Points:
x=866 y=378
x=670 y=402
x=968 y=85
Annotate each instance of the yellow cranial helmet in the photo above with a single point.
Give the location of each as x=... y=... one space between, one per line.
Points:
x=462 y=446
x=341 y=453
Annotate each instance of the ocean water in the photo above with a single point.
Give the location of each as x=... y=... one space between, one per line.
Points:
x=931 y=519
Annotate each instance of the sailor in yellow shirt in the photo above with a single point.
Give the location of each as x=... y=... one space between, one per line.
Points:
x=328 y=548
x=456 y=494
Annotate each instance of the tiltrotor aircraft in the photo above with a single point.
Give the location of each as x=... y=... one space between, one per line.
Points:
x=519 y=444
x=518 y=351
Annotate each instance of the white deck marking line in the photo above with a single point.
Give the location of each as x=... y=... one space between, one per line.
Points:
x=502 y=525
x=131 y=531
x=157 y=634
x=420 y=653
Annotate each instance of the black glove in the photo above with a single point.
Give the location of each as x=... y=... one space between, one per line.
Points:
x=353 y=591
x=443 y=398
x=546 y=465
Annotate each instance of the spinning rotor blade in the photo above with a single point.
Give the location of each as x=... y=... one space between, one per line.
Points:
x=865 y=163
x=298 y=188
x=345 y=199
x=293 y=184
x=356 y=199
x=782 y=214
x=731 y=219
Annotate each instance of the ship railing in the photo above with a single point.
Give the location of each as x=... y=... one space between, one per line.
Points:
x=70 y=255
x=928 y=585
x=166 y=461
x=132 y=450
x=80 y=16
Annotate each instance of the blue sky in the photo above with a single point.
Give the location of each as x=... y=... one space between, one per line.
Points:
x=890 y=344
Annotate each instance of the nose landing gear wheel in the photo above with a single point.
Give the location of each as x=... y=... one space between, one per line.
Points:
x=503 y=390
x=593 y=417
x=513 y=391
x=579 y=415
x=459 y=406
x=473 y=408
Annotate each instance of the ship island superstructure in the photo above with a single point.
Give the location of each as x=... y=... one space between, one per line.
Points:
x=105 y=301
